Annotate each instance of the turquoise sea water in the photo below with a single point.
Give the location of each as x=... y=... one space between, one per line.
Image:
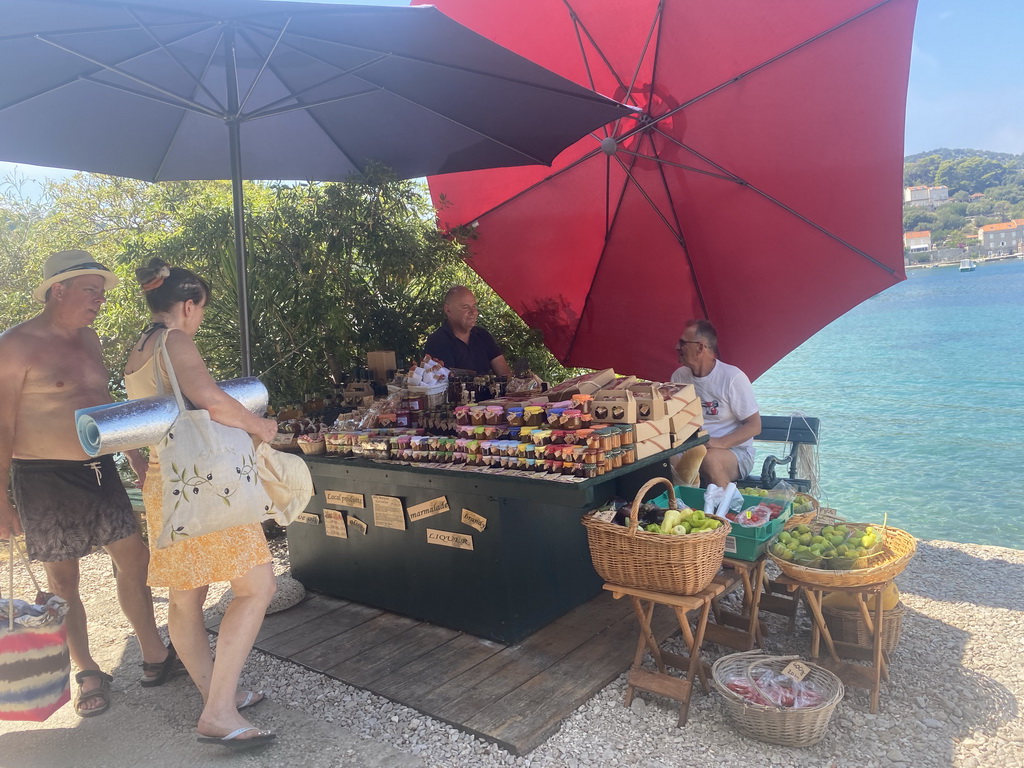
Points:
x=920 y=391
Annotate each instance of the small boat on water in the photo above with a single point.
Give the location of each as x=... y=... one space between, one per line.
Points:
x=967 y=265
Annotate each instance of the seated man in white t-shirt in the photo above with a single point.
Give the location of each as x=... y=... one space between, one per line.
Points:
x=731 y=414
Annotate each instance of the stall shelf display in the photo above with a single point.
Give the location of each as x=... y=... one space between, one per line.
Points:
x=497 y=554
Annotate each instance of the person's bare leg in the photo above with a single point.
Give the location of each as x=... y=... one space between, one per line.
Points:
x=720 y=467
x=237 y=633
x=63 y=577
x=188 y=633
x=131 y=556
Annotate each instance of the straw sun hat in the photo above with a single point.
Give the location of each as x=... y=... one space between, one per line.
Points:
x=65 y=265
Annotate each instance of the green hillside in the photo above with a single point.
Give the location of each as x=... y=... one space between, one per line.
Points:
x=997 y=176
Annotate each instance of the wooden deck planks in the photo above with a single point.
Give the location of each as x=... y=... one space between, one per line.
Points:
x=515 y=695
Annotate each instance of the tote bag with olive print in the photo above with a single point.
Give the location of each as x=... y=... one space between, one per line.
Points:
x=209 y=474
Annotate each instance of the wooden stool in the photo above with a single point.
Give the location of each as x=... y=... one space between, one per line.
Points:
x=661 y=682
x=740 y=631
x=867 y=677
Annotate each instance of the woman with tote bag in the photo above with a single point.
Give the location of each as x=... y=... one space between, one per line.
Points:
x=177 y=298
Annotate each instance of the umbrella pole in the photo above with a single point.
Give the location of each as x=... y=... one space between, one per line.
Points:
x=237 y=201
x=240 y=268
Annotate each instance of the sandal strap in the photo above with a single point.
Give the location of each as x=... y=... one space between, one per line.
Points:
x=85 y=673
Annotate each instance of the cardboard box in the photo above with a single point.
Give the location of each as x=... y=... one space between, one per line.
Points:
x=653 y=428
x=649 y=402
x=653 y=445
x=587 y=384
x=677 y=397
x=380 y=363
x=686 y=421
x=614 y=406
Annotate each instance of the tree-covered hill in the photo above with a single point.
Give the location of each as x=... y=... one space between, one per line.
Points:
x=997 y=176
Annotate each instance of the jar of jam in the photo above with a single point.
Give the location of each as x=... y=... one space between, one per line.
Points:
x=554 y=417
x=583 y=402
x=533 y=416
x=494 y=414
x=627 y=435
x=589 y=470
x=629 y=454
x=572 y=418
x=558 y=436
x=514 y=416
x=462 y=414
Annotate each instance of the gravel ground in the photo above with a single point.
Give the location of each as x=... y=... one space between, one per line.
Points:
x=953 y=699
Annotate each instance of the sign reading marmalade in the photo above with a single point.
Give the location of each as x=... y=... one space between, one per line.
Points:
x=449 y=539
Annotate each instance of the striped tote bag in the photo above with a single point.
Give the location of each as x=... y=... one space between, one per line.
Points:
x=35 y=668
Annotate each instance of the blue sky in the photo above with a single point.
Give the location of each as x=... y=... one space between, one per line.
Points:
x=966 y=89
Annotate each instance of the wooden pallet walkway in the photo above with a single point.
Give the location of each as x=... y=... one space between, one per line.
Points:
x=516 y=696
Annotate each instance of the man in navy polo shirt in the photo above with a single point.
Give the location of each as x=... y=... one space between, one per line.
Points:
x=460 y=342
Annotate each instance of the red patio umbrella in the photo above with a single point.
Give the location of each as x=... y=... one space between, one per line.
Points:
x=759 y=187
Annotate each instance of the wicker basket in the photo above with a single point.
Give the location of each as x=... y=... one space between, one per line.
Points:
x=788 y=726
x=313 y=449
x=678 y=565
x=896 y=550
x=848 y=626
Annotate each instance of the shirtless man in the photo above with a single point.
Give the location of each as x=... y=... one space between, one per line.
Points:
x=66 y=502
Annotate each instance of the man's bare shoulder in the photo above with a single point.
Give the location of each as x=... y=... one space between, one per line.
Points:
x=24 y=338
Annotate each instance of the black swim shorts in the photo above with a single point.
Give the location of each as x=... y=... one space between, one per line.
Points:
x=69 y=507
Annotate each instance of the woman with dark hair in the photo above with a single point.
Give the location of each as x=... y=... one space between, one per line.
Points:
x=177 y=298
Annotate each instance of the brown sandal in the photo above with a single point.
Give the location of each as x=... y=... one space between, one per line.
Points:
x=102 y=693
x=158 y=673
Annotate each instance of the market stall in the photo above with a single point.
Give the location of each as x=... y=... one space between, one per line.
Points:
x=491 y=545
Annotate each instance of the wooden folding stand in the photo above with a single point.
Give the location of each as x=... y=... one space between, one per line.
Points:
x=740 y=631
x=661 y=682
x=868 y=677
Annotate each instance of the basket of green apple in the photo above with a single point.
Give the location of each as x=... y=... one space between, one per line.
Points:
x=843 y=554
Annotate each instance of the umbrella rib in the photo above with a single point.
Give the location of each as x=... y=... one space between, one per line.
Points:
x=176 y=104
x=183 y=102
x=311 y=104
x=172 y=56
x=588 y=96
x=793 y=211
x=263 y=66
x=775 y=58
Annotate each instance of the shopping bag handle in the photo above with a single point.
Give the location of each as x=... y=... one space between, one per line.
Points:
x=23 y=556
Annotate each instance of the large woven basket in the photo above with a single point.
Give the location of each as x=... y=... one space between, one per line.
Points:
x=848 y=626
x=897 y=548
x=677 y=564
x=777 y=725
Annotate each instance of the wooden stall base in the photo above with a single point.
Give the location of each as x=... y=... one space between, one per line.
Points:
x=661 y=682
x=869 y=677
x=514 y=695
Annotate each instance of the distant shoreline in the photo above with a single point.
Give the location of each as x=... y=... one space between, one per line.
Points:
x=956 y=263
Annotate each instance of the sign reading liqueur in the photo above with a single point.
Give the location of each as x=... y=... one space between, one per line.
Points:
x=450 y=539
x=345 y=499
x=357 y=524
x=428 y=509
x=388 y=512
x=334 y=524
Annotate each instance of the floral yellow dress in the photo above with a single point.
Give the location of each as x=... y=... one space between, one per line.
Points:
x=193 y=562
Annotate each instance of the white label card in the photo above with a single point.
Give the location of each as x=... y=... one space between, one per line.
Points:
x=345 y=499
x=797 y=670
x=428 y=508
x=307 y=517
x=449 y=539
x=334 y=524
x=359 y=525
x=388 y=512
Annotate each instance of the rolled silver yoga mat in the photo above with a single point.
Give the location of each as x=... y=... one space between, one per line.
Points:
x=118 y=427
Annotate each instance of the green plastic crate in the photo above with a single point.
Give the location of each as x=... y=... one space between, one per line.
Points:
x=741 y=543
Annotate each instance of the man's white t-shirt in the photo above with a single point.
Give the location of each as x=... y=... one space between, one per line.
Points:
x=727 y=398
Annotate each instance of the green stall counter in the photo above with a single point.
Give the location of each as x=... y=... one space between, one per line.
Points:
x=494 y=555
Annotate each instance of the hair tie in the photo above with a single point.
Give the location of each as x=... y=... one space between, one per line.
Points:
x=162 y=274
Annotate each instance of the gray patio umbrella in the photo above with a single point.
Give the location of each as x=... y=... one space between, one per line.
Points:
x=244 y=89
